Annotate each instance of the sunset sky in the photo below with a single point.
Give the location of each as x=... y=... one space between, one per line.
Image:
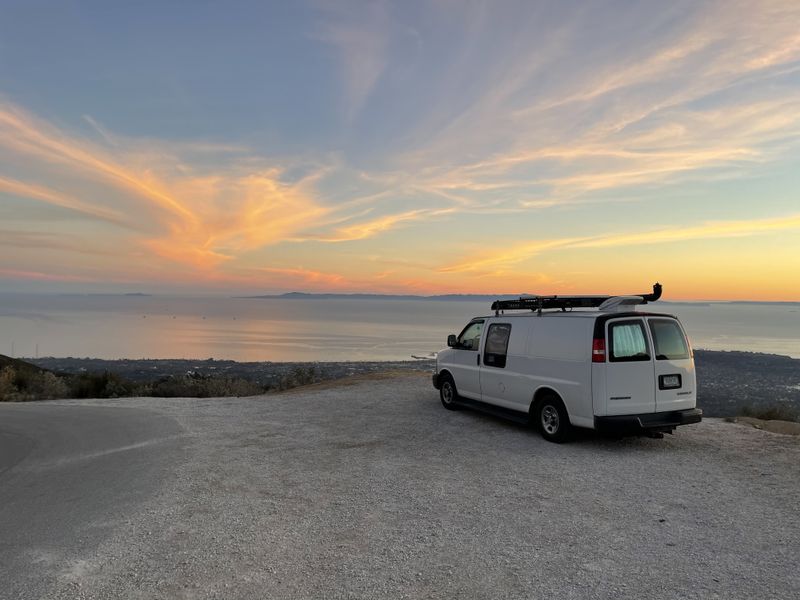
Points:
x=401 y=147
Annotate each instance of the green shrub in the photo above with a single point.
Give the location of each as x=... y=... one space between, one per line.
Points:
x=297 y=377
x=20 y=385
x=8 y=388
x=194 y=385
x=47 y=386
x=774 y=412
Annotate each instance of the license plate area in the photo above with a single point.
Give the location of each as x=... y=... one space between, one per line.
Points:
x=669 y=382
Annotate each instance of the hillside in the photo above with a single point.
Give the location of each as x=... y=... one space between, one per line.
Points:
x=20 y=365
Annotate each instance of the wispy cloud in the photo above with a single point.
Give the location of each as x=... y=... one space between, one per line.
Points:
x=202 y=219
x=692 y=98
x=44 y=194
x=27 y=135
x=300 y=276
x=374 y=227
x=360 y=33
x=517 y=253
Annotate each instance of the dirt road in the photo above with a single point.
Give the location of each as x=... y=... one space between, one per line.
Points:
x=373 y=490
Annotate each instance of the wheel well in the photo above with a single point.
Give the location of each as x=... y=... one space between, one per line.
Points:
x=540 y=394
x=444 y=372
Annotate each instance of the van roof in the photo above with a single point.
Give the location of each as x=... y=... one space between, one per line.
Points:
x=582 y=314
x=567 y=303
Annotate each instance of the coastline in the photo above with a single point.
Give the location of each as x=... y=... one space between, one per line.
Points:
x=728 y=381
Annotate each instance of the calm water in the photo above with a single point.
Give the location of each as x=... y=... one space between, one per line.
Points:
x=310 y=330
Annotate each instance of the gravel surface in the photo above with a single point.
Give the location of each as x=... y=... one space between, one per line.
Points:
x=366 y=489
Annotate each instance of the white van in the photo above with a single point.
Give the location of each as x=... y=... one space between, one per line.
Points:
x=585 y=361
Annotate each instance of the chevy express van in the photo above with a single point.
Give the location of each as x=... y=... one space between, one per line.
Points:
x=582 y=361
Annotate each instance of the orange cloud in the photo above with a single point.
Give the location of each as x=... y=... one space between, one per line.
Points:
x=360 y=231
x=713 y=230
x=300 y=275
x=206 y=218
x=28 y=135
x=39 y=192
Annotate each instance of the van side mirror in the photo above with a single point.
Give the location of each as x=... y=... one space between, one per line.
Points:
x=452 y=341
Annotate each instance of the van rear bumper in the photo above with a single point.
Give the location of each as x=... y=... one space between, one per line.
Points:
x=663 y=421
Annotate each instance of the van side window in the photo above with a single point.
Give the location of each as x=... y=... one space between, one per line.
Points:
x=628 y=341
x=497 y=345
x=668 y=339
x=470 y=338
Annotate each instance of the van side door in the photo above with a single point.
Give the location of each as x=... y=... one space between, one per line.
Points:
x=496 y=381
x=629 y=368
x=464 y=361
x=674 y=367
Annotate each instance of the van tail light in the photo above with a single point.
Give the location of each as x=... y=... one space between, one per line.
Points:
x=598 y=350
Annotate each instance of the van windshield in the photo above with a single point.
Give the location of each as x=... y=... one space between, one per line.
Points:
x=470 y=338
x=669 y=341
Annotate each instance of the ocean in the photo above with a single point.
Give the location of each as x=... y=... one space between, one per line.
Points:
x=272 y=329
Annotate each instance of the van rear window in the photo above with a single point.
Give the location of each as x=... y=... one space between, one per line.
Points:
x=670 y=343
x=628 y=342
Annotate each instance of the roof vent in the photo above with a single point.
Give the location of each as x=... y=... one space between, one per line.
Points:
x=619 y=303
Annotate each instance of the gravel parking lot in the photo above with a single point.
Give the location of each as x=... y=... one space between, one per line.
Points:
x=369 y=488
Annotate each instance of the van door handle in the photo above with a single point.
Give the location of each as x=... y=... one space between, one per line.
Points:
x=478 y=361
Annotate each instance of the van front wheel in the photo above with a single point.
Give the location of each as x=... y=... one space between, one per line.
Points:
x=448 y=393
x=552 y=419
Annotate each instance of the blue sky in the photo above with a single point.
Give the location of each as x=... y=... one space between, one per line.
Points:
x=401 y=146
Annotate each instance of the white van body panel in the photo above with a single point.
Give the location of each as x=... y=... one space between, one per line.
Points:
x=464 y=365
x=559 y=358
x=466 y=372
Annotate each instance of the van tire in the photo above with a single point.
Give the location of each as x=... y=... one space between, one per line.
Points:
x=552 y=419
x=448 y=393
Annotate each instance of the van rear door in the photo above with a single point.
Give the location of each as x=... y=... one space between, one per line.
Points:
x=674 y=367
x=629 y=368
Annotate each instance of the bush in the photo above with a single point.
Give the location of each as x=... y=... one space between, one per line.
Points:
x=774 y=412
x=20 y=385
x=17 y=385
x=8 y=388
x=193 y=385
x=48 y=386
x=297 y=377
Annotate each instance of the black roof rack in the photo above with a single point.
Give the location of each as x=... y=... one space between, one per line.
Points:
x=539 y=303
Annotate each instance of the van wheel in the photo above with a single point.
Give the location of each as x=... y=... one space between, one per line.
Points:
x=552 y=419
x=448 y=393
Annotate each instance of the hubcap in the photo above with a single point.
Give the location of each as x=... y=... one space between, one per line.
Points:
x=447 y=392
x=550 y=419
